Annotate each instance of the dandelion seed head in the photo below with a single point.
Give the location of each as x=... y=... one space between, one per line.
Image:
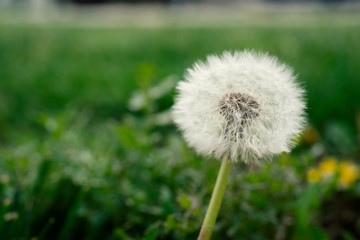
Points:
x=243 y=105
x=233 y=105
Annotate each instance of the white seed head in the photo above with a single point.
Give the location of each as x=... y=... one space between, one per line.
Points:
x=245 y=106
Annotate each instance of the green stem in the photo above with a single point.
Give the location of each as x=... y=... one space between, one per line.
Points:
x=215 y=202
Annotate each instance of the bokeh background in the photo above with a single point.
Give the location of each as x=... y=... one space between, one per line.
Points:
x=87 y=146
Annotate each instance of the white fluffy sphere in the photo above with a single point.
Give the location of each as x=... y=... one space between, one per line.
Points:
x=243 y=106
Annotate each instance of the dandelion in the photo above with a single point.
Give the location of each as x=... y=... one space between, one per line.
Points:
x=243 y=106
x=348 y=174
x=313 y=175
x=328 y=167
x=345 y=173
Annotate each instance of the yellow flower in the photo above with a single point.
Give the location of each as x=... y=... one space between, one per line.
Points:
x=313 y=175
x=349 y=173
x=328 y=167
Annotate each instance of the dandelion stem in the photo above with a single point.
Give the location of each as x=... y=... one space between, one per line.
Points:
x=215 y=202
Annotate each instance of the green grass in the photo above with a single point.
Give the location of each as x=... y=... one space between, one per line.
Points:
x=45 y=68
x=83 y=165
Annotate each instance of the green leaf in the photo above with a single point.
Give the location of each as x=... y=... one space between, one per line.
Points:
x=171 y=222
x=184 y=202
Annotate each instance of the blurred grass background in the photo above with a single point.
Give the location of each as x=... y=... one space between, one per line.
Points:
x=88 y=149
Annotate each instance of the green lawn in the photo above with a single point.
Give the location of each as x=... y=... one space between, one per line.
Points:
x=77 y=161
